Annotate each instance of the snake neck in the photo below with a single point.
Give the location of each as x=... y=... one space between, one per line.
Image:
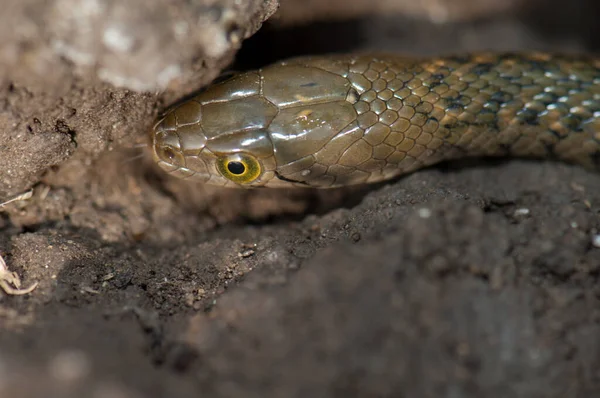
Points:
x=486 y=105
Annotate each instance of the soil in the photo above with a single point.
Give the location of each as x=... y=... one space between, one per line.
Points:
x=469 y=279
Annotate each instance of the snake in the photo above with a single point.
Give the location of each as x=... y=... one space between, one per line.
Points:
x=335 y=120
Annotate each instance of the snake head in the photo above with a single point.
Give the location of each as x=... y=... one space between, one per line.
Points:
x=260 y=128
x=218 y=137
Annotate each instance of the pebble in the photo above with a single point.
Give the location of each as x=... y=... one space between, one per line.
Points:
x=596 y=241
x=523 y=211
x=424 y=213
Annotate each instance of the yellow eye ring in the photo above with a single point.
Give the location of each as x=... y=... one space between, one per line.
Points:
x=239 y=167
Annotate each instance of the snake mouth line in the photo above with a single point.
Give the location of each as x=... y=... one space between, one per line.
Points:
x=282 y=178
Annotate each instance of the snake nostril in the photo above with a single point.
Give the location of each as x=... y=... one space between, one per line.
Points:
x=168 y=153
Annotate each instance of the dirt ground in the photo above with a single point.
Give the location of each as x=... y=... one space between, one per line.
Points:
x=476 y=279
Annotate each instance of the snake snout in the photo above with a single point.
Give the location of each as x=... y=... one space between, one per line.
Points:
x=166 y=149
x=174 y=145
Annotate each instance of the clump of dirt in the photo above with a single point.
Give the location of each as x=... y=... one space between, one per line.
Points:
x=468 y=280
x=80 y=77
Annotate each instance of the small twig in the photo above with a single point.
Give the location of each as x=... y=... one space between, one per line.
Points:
x=8 y=278
x=23 y=196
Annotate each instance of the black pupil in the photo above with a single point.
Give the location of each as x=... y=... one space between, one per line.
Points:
x=236 y=168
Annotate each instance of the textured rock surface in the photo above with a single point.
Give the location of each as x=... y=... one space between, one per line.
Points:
x=73 y=73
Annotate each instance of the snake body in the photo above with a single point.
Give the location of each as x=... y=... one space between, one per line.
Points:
x=328 y=121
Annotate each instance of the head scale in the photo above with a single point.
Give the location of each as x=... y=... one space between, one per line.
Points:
x=260 y=128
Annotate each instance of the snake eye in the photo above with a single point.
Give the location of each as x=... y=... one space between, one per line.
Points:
x=239 y=167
